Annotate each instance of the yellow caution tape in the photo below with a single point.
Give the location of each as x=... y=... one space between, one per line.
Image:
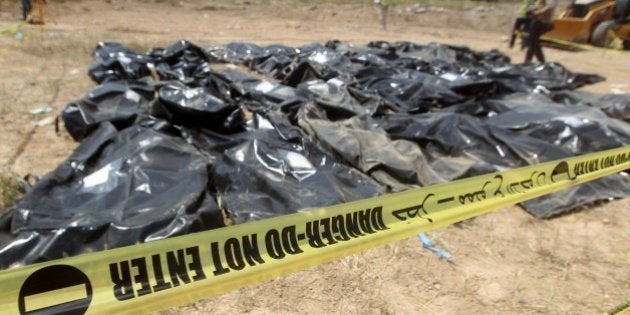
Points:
x=161 y=274
x=620 y=309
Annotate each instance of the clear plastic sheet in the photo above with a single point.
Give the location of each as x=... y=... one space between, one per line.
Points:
x=171 y=146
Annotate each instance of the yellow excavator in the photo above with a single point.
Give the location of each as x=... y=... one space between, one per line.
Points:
x=603 y=23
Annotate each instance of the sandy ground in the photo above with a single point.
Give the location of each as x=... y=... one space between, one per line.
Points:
x=504 y=262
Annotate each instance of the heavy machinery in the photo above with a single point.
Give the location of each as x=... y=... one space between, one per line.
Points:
x=603 y=23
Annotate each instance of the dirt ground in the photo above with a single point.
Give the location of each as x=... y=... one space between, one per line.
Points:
x=504 y=262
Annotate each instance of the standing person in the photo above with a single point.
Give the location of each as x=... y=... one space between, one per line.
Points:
x=381 y=6
x=26 y=9
x=41 y=8
x=521 y=24
x=542 y=15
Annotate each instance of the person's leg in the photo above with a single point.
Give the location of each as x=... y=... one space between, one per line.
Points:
x=539 y=53
x=39 y=5
x=527 y=26
x=382 y=16
x=543 y=28
x=515 y=28
x=534 y=43
x=26 y=9
x=529 y=54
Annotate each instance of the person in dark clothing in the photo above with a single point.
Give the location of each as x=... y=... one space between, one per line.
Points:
x=542 y=16
x=521 y=25
x=26 y=9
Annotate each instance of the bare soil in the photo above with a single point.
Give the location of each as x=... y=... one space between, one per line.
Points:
x=504 y=262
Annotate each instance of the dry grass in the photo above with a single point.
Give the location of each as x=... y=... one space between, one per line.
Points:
x=10 y=189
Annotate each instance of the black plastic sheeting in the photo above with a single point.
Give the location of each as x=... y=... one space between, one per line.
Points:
x=170 y=146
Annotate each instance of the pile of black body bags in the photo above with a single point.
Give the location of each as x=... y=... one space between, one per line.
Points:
x=170 y=146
